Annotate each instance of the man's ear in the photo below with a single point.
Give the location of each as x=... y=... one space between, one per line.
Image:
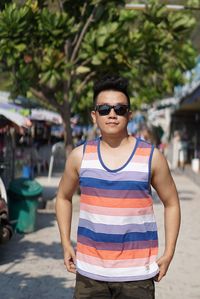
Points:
x=93 y=116
x=130 y=114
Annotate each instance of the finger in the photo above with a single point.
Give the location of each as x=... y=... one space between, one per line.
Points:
x=69 y=263
x=161 y=275
x=155 y=278
x=71 y=268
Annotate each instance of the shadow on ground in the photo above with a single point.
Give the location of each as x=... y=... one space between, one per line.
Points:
x=49 y=192
x=24 y=249
x=18 y=247
x=22 y=286
x=45 y=219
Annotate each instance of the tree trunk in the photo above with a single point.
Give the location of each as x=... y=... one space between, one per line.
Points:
x=66 y=115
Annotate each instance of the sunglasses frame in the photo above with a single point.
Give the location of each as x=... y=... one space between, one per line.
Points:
x=110 y=107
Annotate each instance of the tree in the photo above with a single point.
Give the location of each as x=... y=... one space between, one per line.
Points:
x=56 y=52
x=194 y=6
x=3 y=3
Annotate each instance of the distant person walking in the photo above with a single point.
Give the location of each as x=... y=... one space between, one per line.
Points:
x=146 y=134
x=117 y=245
x=180 y=146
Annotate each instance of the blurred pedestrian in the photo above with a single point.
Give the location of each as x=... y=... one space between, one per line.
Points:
x=145 y=133
x=117 y=243
x=179 y=153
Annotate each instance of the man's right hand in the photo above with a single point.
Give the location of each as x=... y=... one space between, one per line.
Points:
x=70 y=259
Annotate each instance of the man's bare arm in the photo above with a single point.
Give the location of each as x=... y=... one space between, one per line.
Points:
x=67 y=187
x=163 y=183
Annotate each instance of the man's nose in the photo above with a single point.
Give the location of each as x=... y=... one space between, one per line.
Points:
x=112 y=113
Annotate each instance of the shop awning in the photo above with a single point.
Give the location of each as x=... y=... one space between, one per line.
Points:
x=15 y=118
x=191 y=101
x=46 y=115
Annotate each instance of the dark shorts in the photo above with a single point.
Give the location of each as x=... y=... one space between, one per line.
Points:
x=87 y=288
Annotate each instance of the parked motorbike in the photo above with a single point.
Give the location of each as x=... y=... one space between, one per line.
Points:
x=5 y=226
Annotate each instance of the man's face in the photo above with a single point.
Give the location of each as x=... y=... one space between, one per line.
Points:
x=113 y=122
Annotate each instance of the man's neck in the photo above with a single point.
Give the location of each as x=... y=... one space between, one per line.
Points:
x=115 y=141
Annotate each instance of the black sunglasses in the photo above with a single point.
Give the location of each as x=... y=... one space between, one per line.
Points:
x=105 y=109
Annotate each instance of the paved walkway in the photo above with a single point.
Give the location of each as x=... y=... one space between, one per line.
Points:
x=31 y=265
x=182 y=281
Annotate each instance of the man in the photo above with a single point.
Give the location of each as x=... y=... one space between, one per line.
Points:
x=117 y=241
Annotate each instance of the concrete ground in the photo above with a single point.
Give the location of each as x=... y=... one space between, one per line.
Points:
x=31 y=265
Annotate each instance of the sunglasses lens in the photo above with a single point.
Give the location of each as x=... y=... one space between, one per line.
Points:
x=104 y=109
x=120 y=109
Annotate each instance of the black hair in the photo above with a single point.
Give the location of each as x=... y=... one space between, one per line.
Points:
x=111 y=82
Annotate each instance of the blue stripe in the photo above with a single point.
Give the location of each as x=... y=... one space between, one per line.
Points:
x=113 y=185
x=117 y=229
x=143 y=144
x=114 y=193
x=113 y=238
x=110 y=176
x=131 y=245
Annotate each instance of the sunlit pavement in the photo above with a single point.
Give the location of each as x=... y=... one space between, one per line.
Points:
x=31 y=265
x=182 y=279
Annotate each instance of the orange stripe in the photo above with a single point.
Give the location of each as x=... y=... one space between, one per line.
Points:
x=90 y=149
x=116 y=202
x=143 y=151
x=116 y=255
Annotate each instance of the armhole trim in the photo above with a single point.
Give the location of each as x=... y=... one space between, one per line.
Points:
x=84 y=147
x=149 y=168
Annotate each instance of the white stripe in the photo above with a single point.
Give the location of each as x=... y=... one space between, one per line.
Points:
x=118 y=220
x=141 y=167
x=117 y=272
x=93 y=164
x=138 y=262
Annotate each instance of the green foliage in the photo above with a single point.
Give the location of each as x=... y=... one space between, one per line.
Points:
x=194 y=3
x=166 y=53
x=3 y=3
x=14 y=42
x=54 y=28
x=53 y=68
x=58 y=53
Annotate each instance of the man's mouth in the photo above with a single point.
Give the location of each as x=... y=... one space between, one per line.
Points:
x=111 y=123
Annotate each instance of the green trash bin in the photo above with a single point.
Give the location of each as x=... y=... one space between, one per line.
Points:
x=23 y=202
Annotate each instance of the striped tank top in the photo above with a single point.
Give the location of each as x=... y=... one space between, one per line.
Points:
x=117 y=233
